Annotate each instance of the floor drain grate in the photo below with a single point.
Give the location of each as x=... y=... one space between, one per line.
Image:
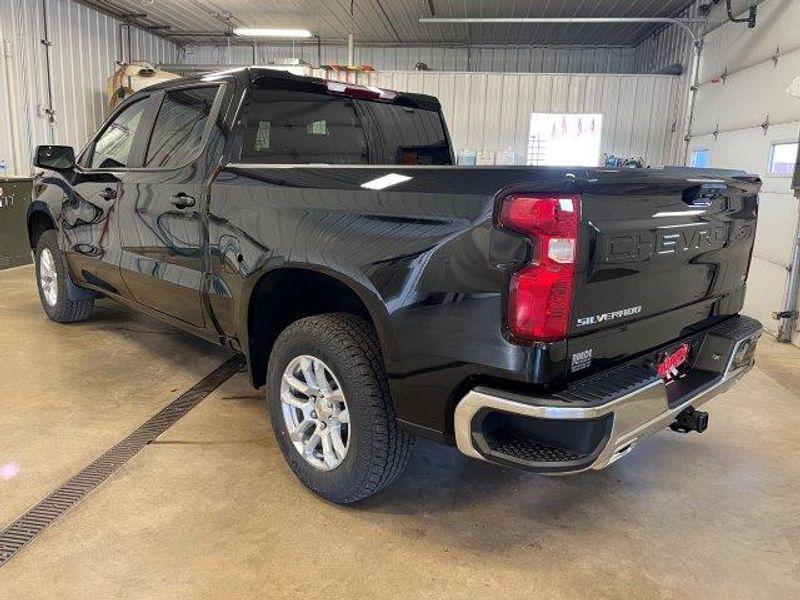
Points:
x=22 y=531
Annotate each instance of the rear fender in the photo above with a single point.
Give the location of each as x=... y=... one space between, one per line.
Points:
x=355 y=281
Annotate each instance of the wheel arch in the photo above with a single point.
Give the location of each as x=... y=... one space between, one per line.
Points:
x=39 y=220
x=285 y=294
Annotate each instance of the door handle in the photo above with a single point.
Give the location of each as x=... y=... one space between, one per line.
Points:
x=108 y=194
x=182 y=201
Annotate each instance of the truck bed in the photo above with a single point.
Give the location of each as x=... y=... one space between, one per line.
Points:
x=662 y=253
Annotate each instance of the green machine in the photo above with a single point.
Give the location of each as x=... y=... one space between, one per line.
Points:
x=15 y=193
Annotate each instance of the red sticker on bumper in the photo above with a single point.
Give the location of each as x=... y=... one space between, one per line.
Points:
x=669 y=365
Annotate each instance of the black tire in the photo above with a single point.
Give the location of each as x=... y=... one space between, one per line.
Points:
x=63 y=310
x=378 y=450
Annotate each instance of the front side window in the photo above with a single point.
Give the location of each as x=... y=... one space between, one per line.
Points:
x=178 y=131
x=112 y=150
x=285 y=126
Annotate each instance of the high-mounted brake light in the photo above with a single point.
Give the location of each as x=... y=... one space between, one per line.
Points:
x=366 y=92
x=540 y=293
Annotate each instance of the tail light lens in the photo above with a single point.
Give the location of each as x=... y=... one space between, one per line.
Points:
x=540 y=294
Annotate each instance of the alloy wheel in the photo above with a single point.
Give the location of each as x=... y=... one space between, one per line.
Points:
x=315 y=412
x=48 y=277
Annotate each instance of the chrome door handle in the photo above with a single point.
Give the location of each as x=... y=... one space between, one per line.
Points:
x=182 y=201
x=108 y=194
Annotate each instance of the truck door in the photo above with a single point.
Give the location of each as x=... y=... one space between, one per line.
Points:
x=162 y=259
x=92 y=197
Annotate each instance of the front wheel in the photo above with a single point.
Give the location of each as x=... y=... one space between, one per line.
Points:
x=330 y=408
x=51 y=279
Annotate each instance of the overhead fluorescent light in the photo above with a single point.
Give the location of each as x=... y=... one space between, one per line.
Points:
x=381 y=183
x=275 y=33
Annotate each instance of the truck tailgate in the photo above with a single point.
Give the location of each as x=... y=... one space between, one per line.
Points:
x=661 y=252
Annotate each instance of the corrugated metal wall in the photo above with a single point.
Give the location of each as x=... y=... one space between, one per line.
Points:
x=83 y=51
x=509 y=59
x=667 y=46
x=491 y=111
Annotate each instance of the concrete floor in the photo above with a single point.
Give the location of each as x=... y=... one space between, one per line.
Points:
x=210 y=510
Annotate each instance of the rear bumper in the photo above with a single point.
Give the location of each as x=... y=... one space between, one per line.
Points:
x=600 y=419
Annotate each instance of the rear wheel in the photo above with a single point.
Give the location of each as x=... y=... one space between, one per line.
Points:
x=51 y=278
x=330 y=408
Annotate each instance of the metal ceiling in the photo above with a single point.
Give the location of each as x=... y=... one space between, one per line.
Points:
x=397 y=21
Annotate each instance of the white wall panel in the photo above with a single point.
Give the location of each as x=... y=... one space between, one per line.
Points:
x=747 y=97
x=734 y=47
x=516 y=59
x=491 y=111
x=83 y=51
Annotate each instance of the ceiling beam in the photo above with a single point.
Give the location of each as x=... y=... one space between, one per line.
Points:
x=134 y=19
x=685 y=23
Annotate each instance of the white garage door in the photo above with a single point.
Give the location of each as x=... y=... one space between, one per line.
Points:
x=736 y=105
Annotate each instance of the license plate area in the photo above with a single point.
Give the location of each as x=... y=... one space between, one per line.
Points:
x=673 y=363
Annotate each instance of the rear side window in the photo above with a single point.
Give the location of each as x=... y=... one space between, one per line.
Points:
x=178 y=131
x=284 y=126
x=400 y=135
x=303 y=127
x=113 y=148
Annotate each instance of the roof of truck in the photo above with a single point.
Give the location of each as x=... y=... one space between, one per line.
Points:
x=257 y=73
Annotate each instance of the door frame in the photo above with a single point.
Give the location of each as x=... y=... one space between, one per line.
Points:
x=221 y=99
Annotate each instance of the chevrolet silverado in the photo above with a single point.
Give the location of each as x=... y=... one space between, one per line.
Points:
x=544 y=318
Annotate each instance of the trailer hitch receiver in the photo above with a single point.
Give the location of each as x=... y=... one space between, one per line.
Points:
x=690 y=420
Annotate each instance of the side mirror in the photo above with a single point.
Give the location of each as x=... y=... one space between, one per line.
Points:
x=55 y=158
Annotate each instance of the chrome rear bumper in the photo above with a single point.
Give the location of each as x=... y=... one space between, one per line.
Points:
x=600 y=419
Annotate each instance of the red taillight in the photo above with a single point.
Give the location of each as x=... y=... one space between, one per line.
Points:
x=540 y=294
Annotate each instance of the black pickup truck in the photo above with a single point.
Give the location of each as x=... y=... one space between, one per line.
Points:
x=547 y=319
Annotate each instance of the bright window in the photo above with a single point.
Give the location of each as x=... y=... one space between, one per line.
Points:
x=262 y=136
x=113 y=148
x=701 y=158
x=782 y=158
x=559 y=139
x=317 y=128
